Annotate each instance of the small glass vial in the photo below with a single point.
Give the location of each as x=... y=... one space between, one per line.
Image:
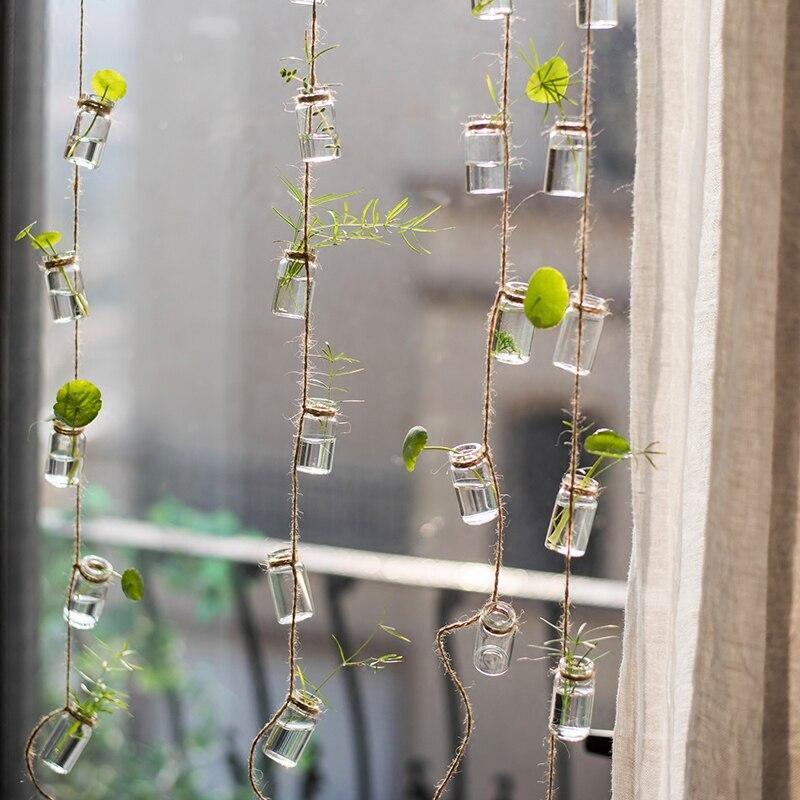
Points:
x=472 y=480
x=565 y=172
x=484 y=145
x=65 y=456
x=492 y=9
x=318 y=437
x=281 y=584
x=586 y=492
x=287 y=737
x=88 y=593
x=573 y=698
x=68 y=740
x=513 y=332
x=565 y=356
x=604 y=14
x=316 y=125
x=64 y=283
x=290 y=285
x=87 y=141
x=494 y=639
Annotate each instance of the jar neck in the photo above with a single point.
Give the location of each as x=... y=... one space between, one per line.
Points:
x=307 y=703
x=95 y=569
x=65 y=430
x=321 y=407
x=578 y=670
x=60 y=261
x=499 y=618
x=316 y=94
x=280 y=558
x=96 y=103
x=583 y=486
x=467 y=455
x=590 y=305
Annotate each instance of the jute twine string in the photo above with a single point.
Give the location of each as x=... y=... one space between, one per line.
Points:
x=76 y=554
x=447 y=630
x=294 y=511
x=575 y=406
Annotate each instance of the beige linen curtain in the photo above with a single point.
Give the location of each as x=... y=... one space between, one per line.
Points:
x=709 y=694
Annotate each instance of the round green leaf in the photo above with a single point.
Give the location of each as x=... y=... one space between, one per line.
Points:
x=547 y=298
x=109 y=84
x=132 y=585
x=607 y=443
x=414 y=443
x=46 y=240
x=77 y=403
x=549 y=83
x=24 y=232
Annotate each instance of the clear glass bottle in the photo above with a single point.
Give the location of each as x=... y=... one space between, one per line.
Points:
x=494 y=638
x=605 y=14
x=573 y=698
x=87 y=140
x=565 y=356
x=88 y=595
x=68 y=740
x=318 y=437
x=565 y=171
x=492 y=9
x=513 y=332
x=584 y=507
x=472 y=480
x=65 y=291
x=316 y=125
x=65 y=456
x=287 y=737
x=281 y=585
x=290 y=284
x=484 y=145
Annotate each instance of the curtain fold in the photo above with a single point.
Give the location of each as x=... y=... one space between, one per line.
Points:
x=709 y=694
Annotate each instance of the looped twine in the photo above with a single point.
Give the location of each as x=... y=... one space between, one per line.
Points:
x=92 y=578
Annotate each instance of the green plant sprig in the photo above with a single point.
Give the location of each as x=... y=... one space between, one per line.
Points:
x=339 y=365
x=580 y=646
x=549 y=81
x=100 y=697
x=355 y=660
x=343 y=225
x=289 y=75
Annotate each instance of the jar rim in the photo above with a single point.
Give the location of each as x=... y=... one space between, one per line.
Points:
x=586 y=487
x=66 y=430
x=281 y=557
x=515 y=291
x=478 y=122
x=307 y=702
x=569 y=124
x=96 y=102
x=95 y=569
x=467 y=455
x=314 y=94
x=301 y=255
x=499 y=617
x=59 y=261
x=76 y=714
x=592 y=304
x=321 y=407
x=581 y=669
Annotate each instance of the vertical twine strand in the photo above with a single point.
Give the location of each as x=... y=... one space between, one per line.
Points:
x=575 y=407
x=447 y=630
x=294 y=513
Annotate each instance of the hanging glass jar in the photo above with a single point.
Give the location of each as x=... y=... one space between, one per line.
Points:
x=513 y=332
x=318 y=436
x=565 y=172
x=65 y=456
x=494 y=639
x=565 y=356
x=87 y=141
x=290 y=286
x=585 y=492
x=484 y=145
x=472 y=480
x=68 y=740
x=573 y=698
x=604 y=14
x=492 y=9
x=88 y=593
x=286 y=738
x=64 y=282
x=316 y=125
x=281 y=585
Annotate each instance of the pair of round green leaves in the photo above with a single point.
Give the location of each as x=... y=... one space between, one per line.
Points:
x=109 y=84
x=77 y=403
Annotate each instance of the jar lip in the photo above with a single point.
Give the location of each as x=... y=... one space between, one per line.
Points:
x=515 y=291
x=61 y=260
x=300 y=255
x=314 y=94
x=307 y=702
x=499 y=617
x=592 y=304
x=321 y=407
x=78 y=715
x=66 y=430
x=467 y=455
x=569 y=124
x=490 y=122
x=96 y=102
x=586 y=487
x=95 y=569
x=281 y=557
x=581 y=669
